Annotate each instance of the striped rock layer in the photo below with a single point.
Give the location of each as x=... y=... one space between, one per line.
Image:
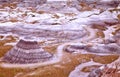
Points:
x=26 y=52
x=111 y=48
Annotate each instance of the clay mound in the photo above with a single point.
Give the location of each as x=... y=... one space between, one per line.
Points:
x=27 y=52
x=105 y=48
x=111 y=48
x=74 y=48
x=105 y=72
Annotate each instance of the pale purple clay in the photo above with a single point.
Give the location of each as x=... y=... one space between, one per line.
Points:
x=26 y=52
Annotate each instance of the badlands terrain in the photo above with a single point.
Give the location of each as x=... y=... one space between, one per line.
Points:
x=82 y=36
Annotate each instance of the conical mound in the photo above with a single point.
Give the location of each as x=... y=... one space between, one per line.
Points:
x=26 y=52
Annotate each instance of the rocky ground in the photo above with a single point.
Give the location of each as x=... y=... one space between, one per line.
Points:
x=84 y=41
